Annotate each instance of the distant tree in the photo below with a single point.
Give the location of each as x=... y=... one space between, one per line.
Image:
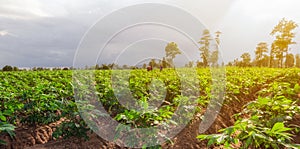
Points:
x=114 y=66
x=199 y=64
x=218 y=33
x=260 y=51
x=246 y=62
x=7 y=68
x=214 y=58
x=111 y=66
x=105 y=67
x=235 y=62
x=65 y=68
x=283 y=38
x=15 y=68
x=40 y=69
x=133 y=67
x=272 y=55
x=265 y=61
x=290 y=60
x=190 y=64
x=144 y=66
x=55 y=68
x=204 y=49
x=152 y=63
x=171 y=51
x=159 y=63
x=230 y=64
x=164 y=63
x=297 y=58
x=125 y=66
x=276 y=56
x=215 y=54
x=97 y=67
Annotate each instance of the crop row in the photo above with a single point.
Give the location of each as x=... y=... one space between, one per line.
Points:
x=139 y=98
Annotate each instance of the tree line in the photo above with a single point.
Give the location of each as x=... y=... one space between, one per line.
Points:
x=276 y=54
x=14 y=68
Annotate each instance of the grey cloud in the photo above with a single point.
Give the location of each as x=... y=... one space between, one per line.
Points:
x=39 y=39
x=47 y=33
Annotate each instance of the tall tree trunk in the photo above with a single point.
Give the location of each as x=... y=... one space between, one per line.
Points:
x=286 y=55
x=270 y=61
x=280 y=62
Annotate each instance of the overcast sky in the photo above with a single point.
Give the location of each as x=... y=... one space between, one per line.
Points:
x=47 y=33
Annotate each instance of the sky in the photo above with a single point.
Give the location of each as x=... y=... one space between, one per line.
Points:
x=53 y=33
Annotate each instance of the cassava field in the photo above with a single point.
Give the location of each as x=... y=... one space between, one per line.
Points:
x=261 y=108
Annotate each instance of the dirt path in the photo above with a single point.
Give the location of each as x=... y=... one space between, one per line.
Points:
x=185 y=139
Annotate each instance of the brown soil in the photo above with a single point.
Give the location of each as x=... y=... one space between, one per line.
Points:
x=40 y=138
x=296 y=121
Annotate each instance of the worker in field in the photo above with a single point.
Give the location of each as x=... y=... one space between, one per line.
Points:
x=149 y=68
x=160 y=67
